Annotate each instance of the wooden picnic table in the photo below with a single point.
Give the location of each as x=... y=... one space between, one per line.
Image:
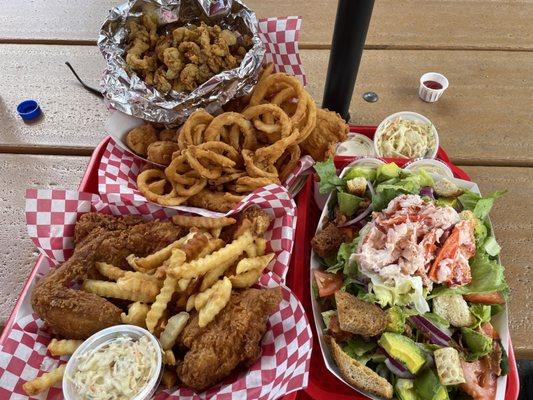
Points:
x=484 y=118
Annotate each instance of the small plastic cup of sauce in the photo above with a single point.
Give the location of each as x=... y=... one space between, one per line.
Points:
x=432 y=86
x=104 y=337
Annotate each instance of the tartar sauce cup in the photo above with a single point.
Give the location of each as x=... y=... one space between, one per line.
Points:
x=431 y=166
x=106 y=336
x=432 y=86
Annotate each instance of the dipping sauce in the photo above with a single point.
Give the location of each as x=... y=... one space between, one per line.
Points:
x=117 y=370
x=432 y=85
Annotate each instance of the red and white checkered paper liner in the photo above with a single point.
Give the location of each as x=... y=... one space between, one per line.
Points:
x=280 y=36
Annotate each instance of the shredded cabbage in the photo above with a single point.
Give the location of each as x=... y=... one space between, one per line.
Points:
x=406 y=139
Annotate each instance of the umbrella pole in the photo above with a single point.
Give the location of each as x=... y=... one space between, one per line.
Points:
x=351 y=26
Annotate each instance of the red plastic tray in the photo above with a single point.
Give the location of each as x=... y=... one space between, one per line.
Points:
x=322 y=384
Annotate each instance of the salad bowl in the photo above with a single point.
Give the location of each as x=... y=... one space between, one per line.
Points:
x=321 y=308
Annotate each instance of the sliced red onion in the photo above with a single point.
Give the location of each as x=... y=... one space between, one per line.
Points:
x=437 y=335
x=397 y=368
x=360 y=217
x=427 y=191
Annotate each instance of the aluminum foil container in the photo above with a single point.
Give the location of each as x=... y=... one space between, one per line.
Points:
x=127 y=92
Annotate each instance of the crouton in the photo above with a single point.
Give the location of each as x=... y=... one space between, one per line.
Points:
x=454 y=309
x=358 y=316
x=449 y=366
x=327 y=241
x=357 y=186
x=357 y=374
x=446 y=188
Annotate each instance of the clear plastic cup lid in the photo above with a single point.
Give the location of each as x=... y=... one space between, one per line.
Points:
x=430 y=166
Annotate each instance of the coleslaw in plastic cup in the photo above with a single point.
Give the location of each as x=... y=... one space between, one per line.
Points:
x=101 y=342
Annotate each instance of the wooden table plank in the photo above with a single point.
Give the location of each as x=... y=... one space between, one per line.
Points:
x=407 y=24
x=72 y=117
x=483 y=118
x=513 y=227
x=18 y=173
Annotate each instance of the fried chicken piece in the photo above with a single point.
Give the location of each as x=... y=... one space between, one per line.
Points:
x=330 y=129
x=92 y=220
x=230 y=341
x=327 y=241
x=75 y=314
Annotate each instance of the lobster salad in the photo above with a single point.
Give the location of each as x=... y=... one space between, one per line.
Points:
x=409 y=284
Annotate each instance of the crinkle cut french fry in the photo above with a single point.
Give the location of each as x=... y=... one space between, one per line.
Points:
x=134 y=292
x=136 y=314
x=169 y=358
x=260 y=244
x=254 y=263
x=110 y=271
x=212 y=276
x=161 y=302
x=246 y=279
x=190 y=303
x=64 y=347
x=212 y=301
x=154 y=260
x=194 y=246
x=216 y=232
x=251 y=250
x=45 y=381
x=200 y=266
x=175 y=325
x=212 y=245
x=202 y=222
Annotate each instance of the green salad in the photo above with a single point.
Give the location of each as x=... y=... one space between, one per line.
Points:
x=409 y=283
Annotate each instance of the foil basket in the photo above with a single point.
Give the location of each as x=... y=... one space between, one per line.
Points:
x=127 y=92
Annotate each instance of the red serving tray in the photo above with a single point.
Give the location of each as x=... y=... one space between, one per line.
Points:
x=322 y=384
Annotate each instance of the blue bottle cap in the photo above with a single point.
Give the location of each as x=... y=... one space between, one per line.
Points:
x=28 y=110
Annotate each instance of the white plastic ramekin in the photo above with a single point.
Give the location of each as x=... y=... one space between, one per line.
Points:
x=105 y=336
x=432 y=95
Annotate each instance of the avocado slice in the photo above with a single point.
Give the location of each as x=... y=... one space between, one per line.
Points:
x=348 y=203
x=387 y=171
x=365 y=172
x=447 y=201
x=405 y=389
x=396 y=320
x=404 y=350
x=428 y=386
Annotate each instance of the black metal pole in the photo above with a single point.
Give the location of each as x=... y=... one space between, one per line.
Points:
x=351 y=26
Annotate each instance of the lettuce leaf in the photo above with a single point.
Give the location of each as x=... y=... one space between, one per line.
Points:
x=328 y=176
x=482 y=313
x=343 y=258
x=480 y=206
x=487 y=276
x=491 y=246
x=358 y=349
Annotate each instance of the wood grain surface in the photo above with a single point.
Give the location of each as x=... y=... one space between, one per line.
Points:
x=513 y=226
x=18 y=254
x=482 y=119
x=395 y=24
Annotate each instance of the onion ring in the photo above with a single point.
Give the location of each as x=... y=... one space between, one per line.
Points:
x=147 y=178
x=288 y=161
x=255 y=171
x=284 y=121
x=247 y=184
x=199 y=117
x=216 y=129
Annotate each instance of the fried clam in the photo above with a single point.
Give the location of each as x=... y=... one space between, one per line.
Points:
x=138 y=139
x=161 y=152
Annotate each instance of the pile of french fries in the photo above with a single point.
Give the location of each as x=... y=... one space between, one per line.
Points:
x=199 y=270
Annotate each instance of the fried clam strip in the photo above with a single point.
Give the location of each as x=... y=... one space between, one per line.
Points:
x=201 y=266
x=202 y=222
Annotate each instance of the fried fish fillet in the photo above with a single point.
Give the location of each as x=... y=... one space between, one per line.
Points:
x=230 y=341
x=74 y=314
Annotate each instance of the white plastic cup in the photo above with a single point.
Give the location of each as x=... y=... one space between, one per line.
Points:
x=105 y=336
x=432 y=95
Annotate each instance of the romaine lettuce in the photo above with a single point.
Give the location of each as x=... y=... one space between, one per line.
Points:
x=481 y=206
x=478 y=343
x=328 y=176
x=348 y=203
